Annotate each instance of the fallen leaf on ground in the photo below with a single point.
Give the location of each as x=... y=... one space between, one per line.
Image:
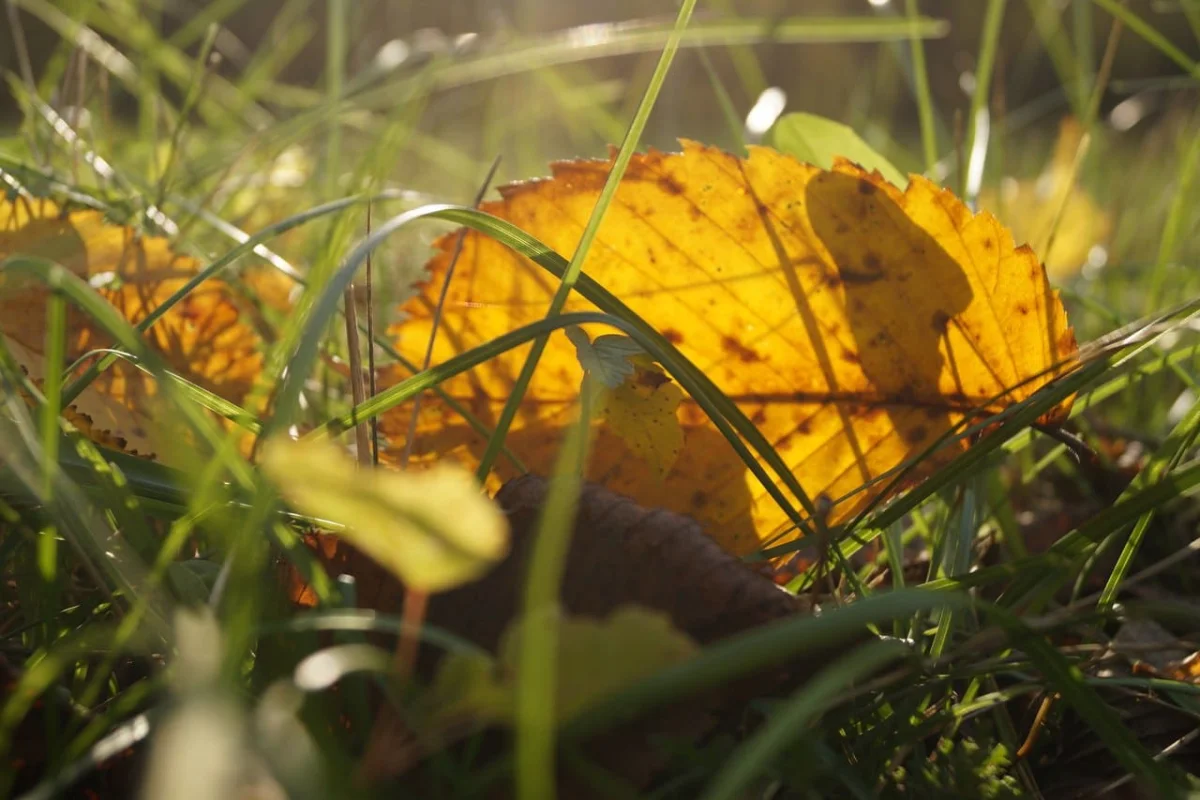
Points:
x=620 y=553
x=433 y=530
x=853 y=323
x=207 y=337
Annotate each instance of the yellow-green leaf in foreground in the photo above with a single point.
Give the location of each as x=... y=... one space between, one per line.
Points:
x=434 y=530
x=596 y=657
x=642 y=410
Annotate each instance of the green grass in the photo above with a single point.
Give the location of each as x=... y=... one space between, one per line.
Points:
x=245 y=162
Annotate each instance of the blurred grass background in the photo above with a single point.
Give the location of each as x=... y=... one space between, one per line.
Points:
x=432 y=93
x=834 y=81
x=1048 y=53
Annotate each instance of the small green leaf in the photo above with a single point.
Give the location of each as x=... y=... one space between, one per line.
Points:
x=817 y=140
x=617 y=346
x=607 y=358
x=434 y=530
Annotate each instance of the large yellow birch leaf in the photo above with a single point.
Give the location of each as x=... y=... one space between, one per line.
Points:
x=852 y=322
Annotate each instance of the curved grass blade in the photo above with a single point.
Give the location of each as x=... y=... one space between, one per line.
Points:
x=194 y=392
x=368 y=621
x=1152 y=36
x=1066 y=679
x=1167 y=457
x=628 y=38
x=305 y=353
x=799 y=712
x=570 y=276
x=759 y=648
x=59 y=279
x=411 y=387
x=675 y=361
x=211 y=271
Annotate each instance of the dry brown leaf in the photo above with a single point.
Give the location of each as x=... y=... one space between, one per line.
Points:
x=620 y=555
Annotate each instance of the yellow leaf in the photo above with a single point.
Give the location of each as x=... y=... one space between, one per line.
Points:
x=595 y=659
x=642 y=411
x=208 y=338
x=853 y=323
x=1031 y=207
x=433 y=530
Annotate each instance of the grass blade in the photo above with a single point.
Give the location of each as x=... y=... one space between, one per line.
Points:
x=798 y=713
x=921 y=84
x=575 y=267
x=537 y=664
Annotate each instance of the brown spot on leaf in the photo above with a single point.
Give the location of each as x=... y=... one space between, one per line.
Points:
x=867 y=275
x=670 y=185
x=866 y=187
x=916 y=435
x=940 y=321
x=651 y=377
x=673 y=335
x=738 y=350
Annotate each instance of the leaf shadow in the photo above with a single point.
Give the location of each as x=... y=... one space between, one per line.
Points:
x=903 y=293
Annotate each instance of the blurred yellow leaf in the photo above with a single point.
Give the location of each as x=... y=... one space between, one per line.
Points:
x=209 y=337
x=852 y=322
x=433 y=530
x=1030 y=208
